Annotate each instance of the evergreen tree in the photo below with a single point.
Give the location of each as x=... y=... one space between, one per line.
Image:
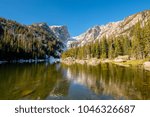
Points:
x=104 y=48
x=97 y=49
x=111 y=48
x=118 y=46
x=88 y=51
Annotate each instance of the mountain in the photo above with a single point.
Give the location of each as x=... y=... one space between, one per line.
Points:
x=44 y=27
x=129 y=38
x=111 y=29
x=61 y=32
x=19 y=41
x=39 y=40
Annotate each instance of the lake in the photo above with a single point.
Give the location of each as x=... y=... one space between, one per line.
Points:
x=44 y=81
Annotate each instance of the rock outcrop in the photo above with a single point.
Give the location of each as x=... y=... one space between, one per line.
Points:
x=122 y=59
x=61 y=32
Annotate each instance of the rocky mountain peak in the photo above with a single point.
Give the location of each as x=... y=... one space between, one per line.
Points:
x=61 y=32
x=112 y=28
x=44 y=26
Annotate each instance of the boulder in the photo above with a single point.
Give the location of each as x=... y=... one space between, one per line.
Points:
x=147 y=65
x=120 y=59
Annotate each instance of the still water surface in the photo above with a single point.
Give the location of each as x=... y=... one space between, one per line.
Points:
x=58 y=81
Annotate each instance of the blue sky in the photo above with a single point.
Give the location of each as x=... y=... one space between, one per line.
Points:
x=78 y=15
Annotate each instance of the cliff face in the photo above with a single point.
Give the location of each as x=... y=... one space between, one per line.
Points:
x=43 y=27
x=61 y=32
x=111 y=29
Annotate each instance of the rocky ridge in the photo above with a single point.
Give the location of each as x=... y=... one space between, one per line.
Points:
x=111 y=29
x=61 y=32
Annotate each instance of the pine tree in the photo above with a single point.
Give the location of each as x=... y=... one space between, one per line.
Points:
x=97 y=49
x=118 y=46
x=93 y=50
x=147 y=39
x=111 y=48
x=138 y=42
x=104 y=48
x=88 y=51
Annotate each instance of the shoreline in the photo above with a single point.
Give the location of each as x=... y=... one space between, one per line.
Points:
x=50 y=60
x=93 y=62
x=141 y=63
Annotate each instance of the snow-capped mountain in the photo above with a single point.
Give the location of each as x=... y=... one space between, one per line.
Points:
x=111 y=29
x=44 y=27
x=97 y=32
x=61 y=32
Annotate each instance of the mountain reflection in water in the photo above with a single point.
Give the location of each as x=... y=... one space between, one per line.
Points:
x=59 y=81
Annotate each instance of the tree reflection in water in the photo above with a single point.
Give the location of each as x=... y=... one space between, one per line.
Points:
x=59 y=81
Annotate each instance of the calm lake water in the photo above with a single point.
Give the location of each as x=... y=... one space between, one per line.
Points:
x=58 y=81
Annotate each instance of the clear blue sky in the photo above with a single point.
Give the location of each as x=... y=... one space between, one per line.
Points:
x=78 y=15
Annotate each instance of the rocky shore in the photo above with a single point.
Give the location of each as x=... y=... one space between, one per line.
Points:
x=125 y=61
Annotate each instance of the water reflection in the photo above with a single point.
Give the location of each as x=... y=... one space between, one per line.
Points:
x=110 y=81
x=28 y=81
x=45 y=81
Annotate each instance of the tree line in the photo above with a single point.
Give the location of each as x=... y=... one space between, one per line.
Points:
x=136 y=44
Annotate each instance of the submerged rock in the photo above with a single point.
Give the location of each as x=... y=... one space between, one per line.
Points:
x=147 y=65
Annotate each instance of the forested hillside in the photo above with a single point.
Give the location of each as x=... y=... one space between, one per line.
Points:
x=19 y=41
x=136 y=44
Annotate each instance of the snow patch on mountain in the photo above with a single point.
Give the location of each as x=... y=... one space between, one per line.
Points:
x=111 y=29
x=61 y=32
